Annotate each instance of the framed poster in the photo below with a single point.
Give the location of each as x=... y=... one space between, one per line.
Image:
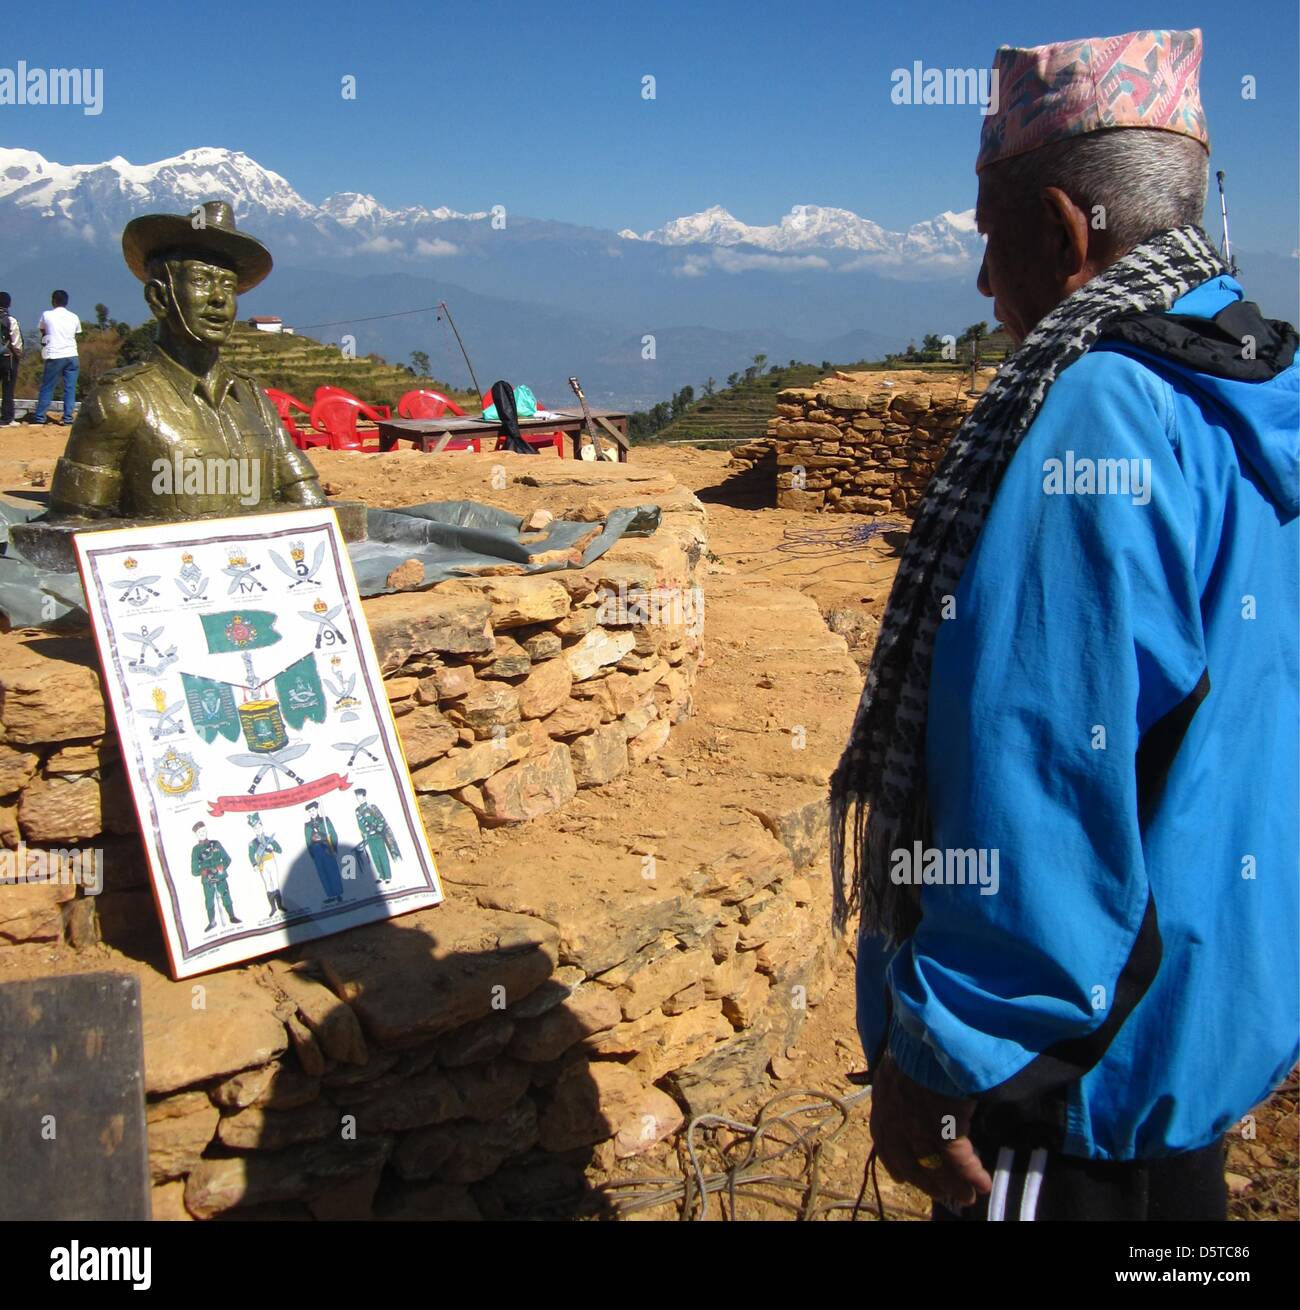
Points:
x=273 y=796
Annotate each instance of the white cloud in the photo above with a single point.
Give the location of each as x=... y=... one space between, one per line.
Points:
x=380 y=246
x=435 y=248
x=736 y=261
x=725 y=259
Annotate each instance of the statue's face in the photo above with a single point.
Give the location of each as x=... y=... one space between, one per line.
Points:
x=205 y=299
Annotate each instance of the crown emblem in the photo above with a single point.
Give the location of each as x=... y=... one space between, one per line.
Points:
x=320 y=607
x=187 y=558
x=129 y=562
x=297 y=552
x=237 y=559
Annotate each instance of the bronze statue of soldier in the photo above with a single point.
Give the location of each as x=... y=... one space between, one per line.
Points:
x=181 y=435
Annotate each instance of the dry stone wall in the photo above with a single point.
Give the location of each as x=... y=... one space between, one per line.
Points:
x=857 y=442
x=470 y=1060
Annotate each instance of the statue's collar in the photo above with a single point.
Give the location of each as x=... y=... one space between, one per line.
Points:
x=212 y=387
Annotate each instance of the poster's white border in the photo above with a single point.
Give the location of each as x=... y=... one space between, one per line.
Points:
x=187 y=959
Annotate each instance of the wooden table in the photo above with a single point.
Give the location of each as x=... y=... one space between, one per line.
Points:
x=432 y=434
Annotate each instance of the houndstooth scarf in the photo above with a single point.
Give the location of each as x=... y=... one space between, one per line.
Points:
x=879 y=786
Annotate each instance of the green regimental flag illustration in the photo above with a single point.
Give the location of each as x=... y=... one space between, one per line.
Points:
x=299 y=692
x=235 y=631
x=212 y=707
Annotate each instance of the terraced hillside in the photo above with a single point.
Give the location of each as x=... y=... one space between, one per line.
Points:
x=741 y=411
x=299 y=365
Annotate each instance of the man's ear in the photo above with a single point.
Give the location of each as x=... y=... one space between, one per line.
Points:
x=158 y=298
x=1069 y=234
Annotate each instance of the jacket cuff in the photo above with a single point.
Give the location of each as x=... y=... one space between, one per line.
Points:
x=919 y=1063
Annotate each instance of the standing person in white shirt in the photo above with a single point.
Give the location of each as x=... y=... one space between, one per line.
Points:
x=11 y=351
x=59 y=329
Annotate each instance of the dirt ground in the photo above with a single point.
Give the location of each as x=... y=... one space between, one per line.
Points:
x=845 y=563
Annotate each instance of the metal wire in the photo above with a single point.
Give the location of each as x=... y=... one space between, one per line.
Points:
x=815 y=542
x=748 y=1161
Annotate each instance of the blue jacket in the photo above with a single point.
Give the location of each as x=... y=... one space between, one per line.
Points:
x=1113 y=712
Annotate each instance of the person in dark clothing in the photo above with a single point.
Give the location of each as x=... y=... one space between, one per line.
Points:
x=11 y=354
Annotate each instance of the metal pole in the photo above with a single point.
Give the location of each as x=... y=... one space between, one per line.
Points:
x=442 y=305
x=1227 y=241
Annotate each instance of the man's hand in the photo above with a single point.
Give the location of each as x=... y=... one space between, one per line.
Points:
x=923 y=1138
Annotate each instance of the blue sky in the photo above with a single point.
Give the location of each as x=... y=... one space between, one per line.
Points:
x=759 y=105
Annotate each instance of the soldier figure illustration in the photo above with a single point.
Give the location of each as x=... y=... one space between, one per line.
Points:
x=377 y=839
x=183 y=410
x=323 y=846
x=262 y=851
x=208 y=863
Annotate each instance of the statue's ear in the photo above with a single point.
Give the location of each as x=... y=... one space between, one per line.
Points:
x=158 y=298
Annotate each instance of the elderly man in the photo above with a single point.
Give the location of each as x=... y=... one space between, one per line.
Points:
x=1086 y=681
x=181 y=435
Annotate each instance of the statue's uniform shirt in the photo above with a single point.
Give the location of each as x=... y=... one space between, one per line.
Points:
x=146 y=415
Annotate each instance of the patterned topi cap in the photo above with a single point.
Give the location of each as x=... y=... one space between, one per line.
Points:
x=1047 y=93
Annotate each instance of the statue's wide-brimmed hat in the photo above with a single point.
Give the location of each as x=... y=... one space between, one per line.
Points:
x=1046 y=93
x=212 y=230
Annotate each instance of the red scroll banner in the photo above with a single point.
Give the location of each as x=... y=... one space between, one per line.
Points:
x=278 y=800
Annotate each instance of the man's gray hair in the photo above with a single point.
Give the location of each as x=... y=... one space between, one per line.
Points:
x=1144 y=181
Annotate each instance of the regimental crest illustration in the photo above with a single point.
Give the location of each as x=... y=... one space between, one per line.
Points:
x=340 y=687
x=240 y=572
x=328 y=633
x=165 y=722
x=268 y=709
x=296 y=566
x=135 y=590
x=190 y=581
x=152 y=658
x=175 y=772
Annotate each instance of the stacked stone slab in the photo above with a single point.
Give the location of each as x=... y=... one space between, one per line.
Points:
x=510 y=694
x=856 y=443
x=470 y=1060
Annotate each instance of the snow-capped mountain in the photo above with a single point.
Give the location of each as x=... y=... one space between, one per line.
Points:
x=352 y=209
x=98 y=199
x=92 y=202
x=950 y=239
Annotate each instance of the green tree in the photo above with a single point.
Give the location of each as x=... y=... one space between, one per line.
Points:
x=759 y=361
x=732 y=379
x=932 y=345
x=420 y=363
x=137 y=343
x=101 y=316
x=709 y=387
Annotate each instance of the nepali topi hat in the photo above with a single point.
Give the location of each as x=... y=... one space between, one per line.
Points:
x=210 y=229
x=1048 y=93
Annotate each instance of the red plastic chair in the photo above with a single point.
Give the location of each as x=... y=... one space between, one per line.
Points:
x=321 y=392
x=538 y=440
x=427 y=404
x=336 y=417
x=285 y=404
x=432 y=404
